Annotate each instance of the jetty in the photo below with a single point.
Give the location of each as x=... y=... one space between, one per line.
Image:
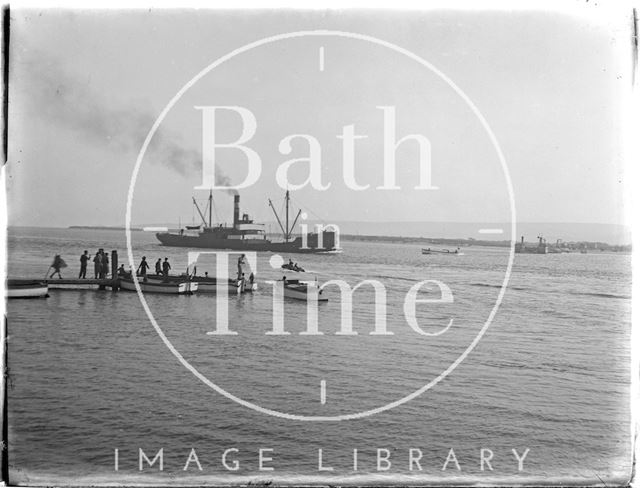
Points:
x=180 y=284
x=87 y=283
x=82 y=284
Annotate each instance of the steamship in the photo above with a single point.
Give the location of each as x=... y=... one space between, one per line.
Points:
x=246 y=235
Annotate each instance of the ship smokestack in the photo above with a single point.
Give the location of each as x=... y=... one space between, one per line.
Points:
x=236 y=210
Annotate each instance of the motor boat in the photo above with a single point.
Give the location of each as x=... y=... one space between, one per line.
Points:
x=299 y=290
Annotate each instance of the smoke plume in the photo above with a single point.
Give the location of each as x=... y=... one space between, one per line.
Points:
x=73 y=103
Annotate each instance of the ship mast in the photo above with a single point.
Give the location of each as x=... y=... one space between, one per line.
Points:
x=288 y=233
x=286 y=230
x=210 y=205
x=195 y=204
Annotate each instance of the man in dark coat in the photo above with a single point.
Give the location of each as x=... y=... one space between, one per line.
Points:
x=166 y=267
x=97 y=265
x=84 y=259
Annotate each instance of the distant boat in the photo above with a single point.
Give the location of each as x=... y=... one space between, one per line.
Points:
x=26 y=289
x=299 y=290
x=153 y=286
x=541 y=248
x=440 y=251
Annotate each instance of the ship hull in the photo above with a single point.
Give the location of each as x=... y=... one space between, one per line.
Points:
x=204 y=241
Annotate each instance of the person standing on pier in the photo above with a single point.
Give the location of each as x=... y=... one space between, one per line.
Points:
x=97 y=265
x=84 y=259
x=105 y=265
x=144 y=266
x=166 y=267
x=159 y=266
x=58 y=263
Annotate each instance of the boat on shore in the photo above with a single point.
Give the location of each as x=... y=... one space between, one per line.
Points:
x=163 y=287
x=26 y=289
x=247 y=235
x=441 y=251
x=299 y=290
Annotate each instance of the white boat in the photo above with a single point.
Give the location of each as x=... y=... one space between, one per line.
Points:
x=26 y=289
x=207 y=284
x=212 y=285
x=299 y=290
x=152 y=286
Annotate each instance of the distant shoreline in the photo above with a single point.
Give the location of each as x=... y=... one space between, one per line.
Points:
x=574 y=246
x=101 y=227
x=440 y=241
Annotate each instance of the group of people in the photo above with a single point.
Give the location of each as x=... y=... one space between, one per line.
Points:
x=162 y=268
x=100 y=264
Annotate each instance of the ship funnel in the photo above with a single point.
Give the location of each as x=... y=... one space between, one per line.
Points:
x=236 y=210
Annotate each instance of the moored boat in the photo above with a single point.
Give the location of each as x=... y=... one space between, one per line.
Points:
x=207 y=284
x=26 y=289
x=165 y=287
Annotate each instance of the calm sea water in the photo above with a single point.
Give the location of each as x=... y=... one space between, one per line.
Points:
x=89 y=374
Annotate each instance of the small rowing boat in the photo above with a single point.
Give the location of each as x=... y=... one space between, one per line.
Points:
x=301 y=290
x=441 y=251
x=164 y=287
x=26 y=289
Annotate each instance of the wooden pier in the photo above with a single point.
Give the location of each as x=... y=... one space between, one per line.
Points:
x=88 y=283
x=80 y=284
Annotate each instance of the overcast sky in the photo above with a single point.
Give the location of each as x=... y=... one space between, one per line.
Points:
x=86 y=87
